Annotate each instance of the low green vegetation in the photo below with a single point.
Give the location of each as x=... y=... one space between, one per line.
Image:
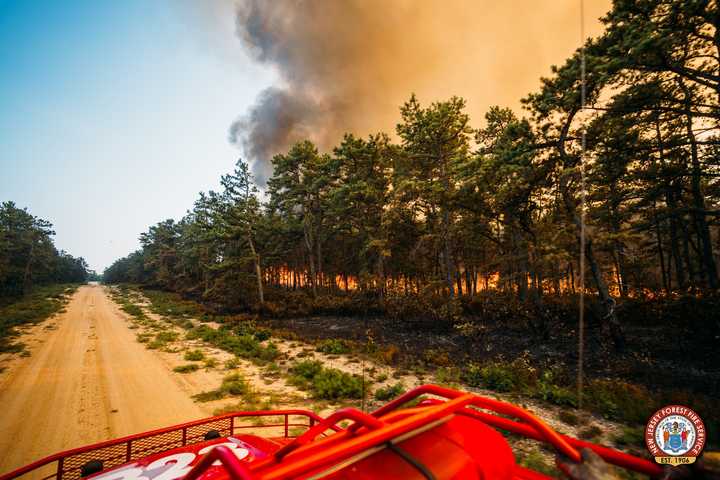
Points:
x=630 y=437
x=244 y=345
x=172 y=305
x=36 y=306
x=232 y=385
x=210 y=363
x=194 y=355
x=187 y=368
x=325 y=383
x=535 y=461
x=334 y=346
x=569 y=417
x=161 y=339
x=390 y=391
x=614 y=399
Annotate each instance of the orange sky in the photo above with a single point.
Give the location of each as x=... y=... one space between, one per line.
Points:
x=349 y=65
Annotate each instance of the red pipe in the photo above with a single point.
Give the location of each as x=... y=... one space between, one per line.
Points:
x=235 y=469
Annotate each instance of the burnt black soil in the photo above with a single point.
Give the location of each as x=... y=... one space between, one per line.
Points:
x=655 y=355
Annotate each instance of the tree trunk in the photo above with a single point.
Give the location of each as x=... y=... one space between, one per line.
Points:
x=27 y=276
x=708 y=261
x=311 y=259
x=661 y=254
x=609 y=322
x=609 y=318
x=258 y=270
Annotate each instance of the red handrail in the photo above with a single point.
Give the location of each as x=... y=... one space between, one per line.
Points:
x=360 y=418
x=307 y=453
x=234 y=467
x=548 y=434
x=60 y=456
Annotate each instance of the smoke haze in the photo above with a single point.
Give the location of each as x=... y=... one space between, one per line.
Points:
x=347 y=66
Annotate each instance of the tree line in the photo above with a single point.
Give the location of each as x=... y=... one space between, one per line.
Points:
x=28 y=256
x=446 y=209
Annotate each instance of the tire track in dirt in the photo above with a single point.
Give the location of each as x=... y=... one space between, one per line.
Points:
x=89 y=380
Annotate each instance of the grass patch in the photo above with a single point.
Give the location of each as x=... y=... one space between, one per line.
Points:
x=187 y=368
x=194 y=355
x=210 y=363
x=630 y=437
x=232 y=385
x=325 y=383
x=245 y=345
x=333 y=346
x=132 y=310
x=143 y=337
x=391 y=391
x=569 y=417
x=173 y=305
x=38 y=305
x=535 y=461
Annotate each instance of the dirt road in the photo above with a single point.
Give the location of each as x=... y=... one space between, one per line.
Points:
x=88 y=380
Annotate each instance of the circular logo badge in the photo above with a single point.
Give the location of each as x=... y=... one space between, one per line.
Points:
x=675 y=435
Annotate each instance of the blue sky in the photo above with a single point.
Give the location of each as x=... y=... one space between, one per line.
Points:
x=114 y=115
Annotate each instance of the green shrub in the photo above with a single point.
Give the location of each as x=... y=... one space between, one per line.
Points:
x=334 y=346
x=390 y=391
x=534 y=461
x=194 y=355
x=34 y=307
x=143 y=337
x=187 y=368
x=170 y=304
x=232 y=364
x=548 y=390
x=306 y=370
x=448 y=375
x=630 y=437
x=620 y=400
x=209 y=396
x=517 y=375
x=232 y=385
x=325 y=383
x=569 y=417
x=166 y=336
x=244 y=345
x=268 y=353
x=210 y=363
x=333 y=384
x=155 y=345
x=262 y=334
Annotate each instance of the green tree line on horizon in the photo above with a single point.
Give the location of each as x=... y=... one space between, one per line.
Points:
x=28 y=256
x=450 y=210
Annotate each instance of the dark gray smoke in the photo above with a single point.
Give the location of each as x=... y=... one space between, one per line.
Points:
x=347 y=65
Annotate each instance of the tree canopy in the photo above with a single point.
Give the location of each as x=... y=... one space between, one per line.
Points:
x=446 y=209
x=28 y=256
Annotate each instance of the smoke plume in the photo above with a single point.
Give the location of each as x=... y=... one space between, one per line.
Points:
x=347 y=65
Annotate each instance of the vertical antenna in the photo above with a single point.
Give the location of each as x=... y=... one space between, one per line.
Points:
x=581 y=326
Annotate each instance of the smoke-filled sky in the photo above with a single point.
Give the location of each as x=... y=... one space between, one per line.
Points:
x=114 y=115
x=348 y=65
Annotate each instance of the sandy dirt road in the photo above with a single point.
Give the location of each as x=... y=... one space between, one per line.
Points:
x=87 y=380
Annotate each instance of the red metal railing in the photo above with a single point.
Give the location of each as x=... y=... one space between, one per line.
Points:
x=307 y=453
x=67 y=464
